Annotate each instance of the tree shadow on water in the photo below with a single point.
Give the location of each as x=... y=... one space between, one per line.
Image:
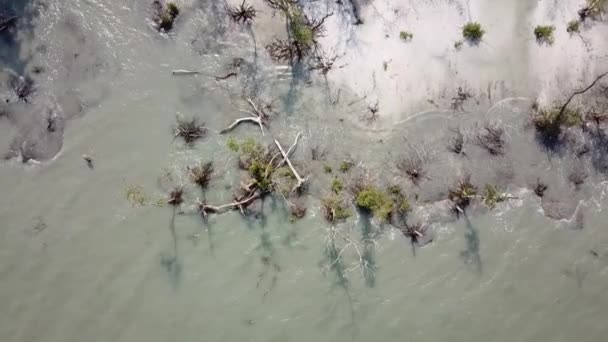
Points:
x=334 y=263
x=170 y=261
x=369 y=234
x=471 y=255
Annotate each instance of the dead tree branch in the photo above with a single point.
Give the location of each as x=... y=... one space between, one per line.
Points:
x=240 y=204
x=300 y=180
x=257 y=117
x=597 y=79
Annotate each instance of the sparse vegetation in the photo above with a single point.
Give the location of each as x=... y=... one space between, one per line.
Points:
x=473 y=32
x=165 y=15
x=412 y=166
x=327 y=169
x=176 y=197
x=456 y=143
x=540 y=188
x=201 y=174
x=458 y=45
x=190 y=130
x=549 y=123
x=406 y=36
x=334 y=209
x=544 y=34
x=573 y=27
x=345 y=166
x=232 y=144
x=337 y=186
x=401 y=203
x=594 y=9
x=303 y=33
x=297 y=209
x=491 y=196
x=491 y=139
x=241 y=14
x=462 y=193
x=136 y=195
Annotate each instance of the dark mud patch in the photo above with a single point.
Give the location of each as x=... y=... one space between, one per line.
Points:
x=48 y=79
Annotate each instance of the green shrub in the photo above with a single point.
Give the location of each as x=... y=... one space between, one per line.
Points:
x=573 y=27
x=172 y=9
x=492 y=196
x=458 y=45
x=394 y=190
x=337 y=186
x=327 y=168
x=404 y=35
x=167 y=16
x=544 y=34
x=345 y=166
x=285 y=172
x=473 y=32
x=548 y=118
x=302 y=33
x=252 y=149
x=334 y=209
x=462 y=194
x=260 y=173
x=232 y=144
x=376 y=202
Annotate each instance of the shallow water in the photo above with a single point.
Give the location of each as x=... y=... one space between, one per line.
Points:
x=80 y=262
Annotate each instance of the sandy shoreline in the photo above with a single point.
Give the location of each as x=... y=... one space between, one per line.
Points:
x=508 y=62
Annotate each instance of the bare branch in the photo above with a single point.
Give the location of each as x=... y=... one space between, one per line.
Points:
x=240 y=204
x=563 y=109
x=300 y=180
x=258 y=117
x=182 y=72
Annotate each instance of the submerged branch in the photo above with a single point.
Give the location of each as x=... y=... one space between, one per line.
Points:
x=597 y=79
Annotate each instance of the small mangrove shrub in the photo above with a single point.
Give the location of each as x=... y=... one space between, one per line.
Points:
x=190 y=130
x=406 y=36
x=544 y=34
x=550 y=122
x=334 y=209
x=492 y=196
x=473 y=32
x=462 y=193
x=345 y=166
x=378 y=203
x=573 y=27
x=232 y=144
x=167 y=16
x=337 y=186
